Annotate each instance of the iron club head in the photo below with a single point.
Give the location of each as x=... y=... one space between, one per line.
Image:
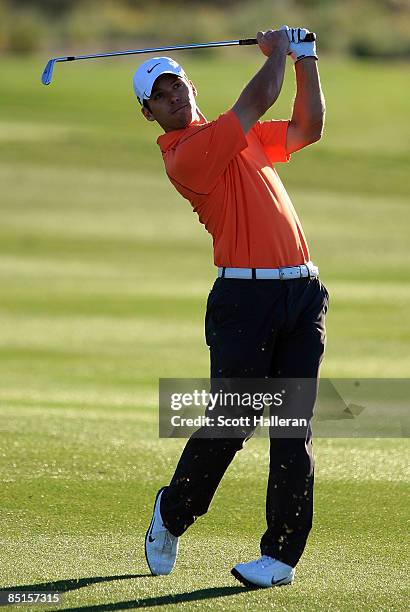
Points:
x=48 y=72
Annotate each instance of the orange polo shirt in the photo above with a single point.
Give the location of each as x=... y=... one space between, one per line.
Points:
x=228 y=178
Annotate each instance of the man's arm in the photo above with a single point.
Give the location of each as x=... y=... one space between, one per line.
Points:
x=308 y=116
x=263 y=90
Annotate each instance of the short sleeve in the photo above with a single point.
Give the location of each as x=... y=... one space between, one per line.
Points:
x=272 y=136
x=203 y=155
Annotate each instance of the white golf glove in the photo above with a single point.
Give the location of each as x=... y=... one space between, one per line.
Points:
x=297 y=48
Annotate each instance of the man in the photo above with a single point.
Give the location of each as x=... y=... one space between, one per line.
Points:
x=265 y=313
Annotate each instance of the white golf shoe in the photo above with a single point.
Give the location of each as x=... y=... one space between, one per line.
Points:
x=161 y=547
x=264 y=572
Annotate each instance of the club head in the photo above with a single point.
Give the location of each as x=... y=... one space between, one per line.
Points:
x=48 y=72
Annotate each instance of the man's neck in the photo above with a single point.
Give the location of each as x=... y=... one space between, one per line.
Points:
x=197 y=118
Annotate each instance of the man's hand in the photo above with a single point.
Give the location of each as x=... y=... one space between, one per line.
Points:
x=273 y=41
x=297 y=48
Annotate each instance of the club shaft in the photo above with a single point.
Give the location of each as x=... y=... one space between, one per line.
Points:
x=224 y=43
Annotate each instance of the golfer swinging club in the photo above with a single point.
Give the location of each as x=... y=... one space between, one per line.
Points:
x=266 y=311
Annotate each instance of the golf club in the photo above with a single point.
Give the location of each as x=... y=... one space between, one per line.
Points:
x=48 y=70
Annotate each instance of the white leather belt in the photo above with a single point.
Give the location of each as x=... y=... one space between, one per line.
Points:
x=307 y=270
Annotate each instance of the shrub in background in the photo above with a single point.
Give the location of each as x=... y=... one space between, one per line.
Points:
x=370 y=28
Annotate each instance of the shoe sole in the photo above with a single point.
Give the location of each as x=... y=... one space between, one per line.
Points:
x=252 y=585
x=149 y=529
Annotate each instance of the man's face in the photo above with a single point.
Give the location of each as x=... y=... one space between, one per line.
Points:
x=172 y=102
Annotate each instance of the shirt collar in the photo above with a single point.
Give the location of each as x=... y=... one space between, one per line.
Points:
x=169 y=139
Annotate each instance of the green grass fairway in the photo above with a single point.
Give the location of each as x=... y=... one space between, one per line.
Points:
x=104 y=275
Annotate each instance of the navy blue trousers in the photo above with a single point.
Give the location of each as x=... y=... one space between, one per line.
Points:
x=257 y=329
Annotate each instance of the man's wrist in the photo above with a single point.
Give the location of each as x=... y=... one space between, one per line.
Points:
x=280 y=51
x=276 y=56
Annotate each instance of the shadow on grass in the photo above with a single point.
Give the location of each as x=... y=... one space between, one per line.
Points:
x=63 y=586
x=163 y=600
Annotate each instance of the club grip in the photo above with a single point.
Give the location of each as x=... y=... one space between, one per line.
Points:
x=310 y=37
x=248 y=41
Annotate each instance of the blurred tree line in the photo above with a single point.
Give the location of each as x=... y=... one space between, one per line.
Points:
x=369 y=28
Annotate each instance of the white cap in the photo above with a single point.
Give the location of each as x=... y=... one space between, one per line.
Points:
x=146 y=75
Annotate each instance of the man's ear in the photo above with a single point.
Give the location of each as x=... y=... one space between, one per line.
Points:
x=147 y=114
